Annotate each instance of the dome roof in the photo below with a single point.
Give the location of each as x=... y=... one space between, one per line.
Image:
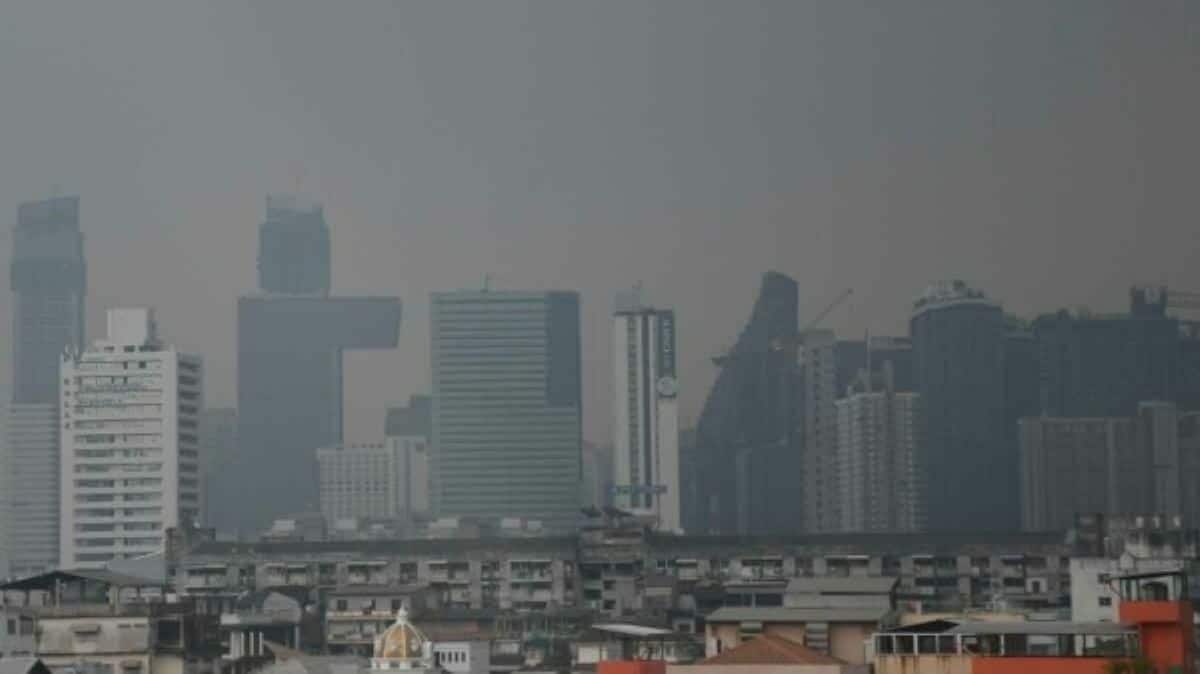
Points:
x=401 y=641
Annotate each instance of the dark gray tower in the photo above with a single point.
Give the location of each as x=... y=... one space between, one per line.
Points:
x=293 y=248
x=290 y=343
x=748 y=450
x=49 y=280
x=1104 y=365
x=970 y=469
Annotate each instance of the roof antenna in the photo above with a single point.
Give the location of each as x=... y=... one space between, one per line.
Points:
x=297 y=176
x=487 y=283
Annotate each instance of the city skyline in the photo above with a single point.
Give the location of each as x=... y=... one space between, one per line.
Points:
x=881 y=164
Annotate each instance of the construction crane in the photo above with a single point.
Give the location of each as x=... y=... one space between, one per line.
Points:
x=779 y=343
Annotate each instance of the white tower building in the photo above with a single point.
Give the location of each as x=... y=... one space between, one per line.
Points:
x=645 y=414
x=130 y=452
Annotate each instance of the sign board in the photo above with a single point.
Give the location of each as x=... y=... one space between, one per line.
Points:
x=666 y=344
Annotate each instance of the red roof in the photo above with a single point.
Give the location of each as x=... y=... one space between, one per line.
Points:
x=768 y=649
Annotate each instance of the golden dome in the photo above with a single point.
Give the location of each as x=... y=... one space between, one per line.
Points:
x=401 y=641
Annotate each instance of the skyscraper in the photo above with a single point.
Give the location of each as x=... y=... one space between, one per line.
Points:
x=294 y=248
x=828 y=367
x=290 y=343
x=748 y=451
x=878 y=482
x=48 y=275
x=130 y=447
x=1103 y=365
x=49 y=280
x=970 y=469
x=506 y=405
x=646 y=414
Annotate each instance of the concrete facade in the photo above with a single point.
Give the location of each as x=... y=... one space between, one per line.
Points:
x=1149 y=462
x=378 y=481
x=878 y=448
x=612 y=571
x=130 y=467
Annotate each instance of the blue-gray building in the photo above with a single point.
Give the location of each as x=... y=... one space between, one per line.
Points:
x=507 y=414
x=290 y=343
x=748 y=458
x=968 y=461
x=48 y=276
x=1103 y=365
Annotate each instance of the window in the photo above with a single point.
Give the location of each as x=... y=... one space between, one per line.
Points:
x=341 y=604
x=1106 y=601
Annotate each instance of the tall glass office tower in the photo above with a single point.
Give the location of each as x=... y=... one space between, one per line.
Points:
x=506 y=405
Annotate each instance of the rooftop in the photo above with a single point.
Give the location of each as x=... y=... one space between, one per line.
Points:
x=49 y=580
x=632 y=630
x=778 y=614
x=768 y=649
x=1039 y=627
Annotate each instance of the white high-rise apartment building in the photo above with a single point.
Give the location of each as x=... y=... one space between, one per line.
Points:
x=130 y=465
x=645 y=414
x=876 y=449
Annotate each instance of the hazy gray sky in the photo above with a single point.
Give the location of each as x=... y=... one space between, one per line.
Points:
x=1044 y=150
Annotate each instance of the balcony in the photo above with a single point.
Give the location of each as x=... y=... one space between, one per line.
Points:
x=195 y=582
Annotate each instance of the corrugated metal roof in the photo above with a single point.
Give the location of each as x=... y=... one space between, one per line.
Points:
x=1040 y=627
x=47 y=580
x=629 y=629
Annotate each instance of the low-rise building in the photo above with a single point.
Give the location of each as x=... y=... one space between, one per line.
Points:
x=627 y=641
x=619 y=572
x=840 y=632
x=258 y=619
x=1155 y=627
x=115 y=623
x=355 y=615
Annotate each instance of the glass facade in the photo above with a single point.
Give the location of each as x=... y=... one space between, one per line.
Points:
x=506 y=412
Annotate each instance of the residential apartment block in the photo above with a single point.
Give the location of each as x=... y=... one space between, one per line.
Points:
x=130 y=448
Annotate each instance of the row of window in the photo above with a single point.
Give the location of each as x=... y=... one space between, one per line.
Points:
x=144 y=497
x=112 y=542
x=111 y=512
